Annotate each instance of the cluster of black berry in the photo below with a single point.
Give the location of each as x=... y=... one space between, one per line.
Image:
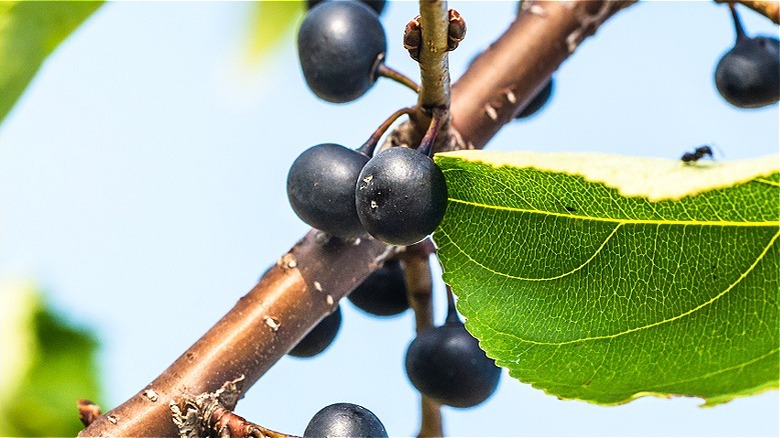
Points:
x=397 y=195
x=748 y=75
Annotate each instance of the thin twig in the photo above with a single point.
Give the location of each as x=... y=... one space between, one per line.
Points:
x=435 y=71
x=434 y=68
x=419 y=288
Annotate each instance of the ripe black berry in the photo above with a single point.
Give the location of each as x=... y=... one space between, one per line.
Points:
x=321 y=188
x=538 y=101
x=748 y=75
x=401 y=196
x=340 y=45
x=345 y=420
x=377 y=5
x=446 y=364
x=383 y=293
x=320 y=337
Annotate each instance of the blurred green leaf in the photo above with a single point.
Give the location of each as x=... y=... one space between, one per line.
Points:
x=29 y=32
x=271 y=22
x=52 y=367
x=606 y=278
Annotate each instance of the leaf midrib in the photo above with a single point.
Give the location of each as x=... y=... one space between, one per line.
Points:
x=619 y=221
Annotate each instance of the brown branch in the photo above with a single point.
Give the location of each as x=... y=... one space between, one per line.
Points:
x=291 y=298
x=506 y=77
x=419 y=287
x=434 y=62
x=767 y=8
x=309 y=280
x=431 y=51
x=205 y=415
x=419 y=282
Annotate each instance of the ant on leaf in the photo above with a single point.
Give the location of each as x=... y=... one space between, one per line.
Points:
x=698 y=153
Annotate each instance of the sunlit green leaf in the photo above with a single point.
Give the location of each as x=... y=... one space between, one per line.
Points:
x=47 y=366
x=29 y=32
x=607 y=278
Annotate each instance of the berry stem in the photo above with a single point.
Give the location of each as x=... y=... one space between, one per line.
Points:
x=368 y=147
x=426 y=145
x=427 y=38
x=452 y=311
x=390 y=73
x=737 y=23
x=419 y=290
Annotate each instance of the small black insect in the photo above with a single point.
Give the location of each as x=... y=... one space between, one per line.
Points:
x=570 y=209
x=699 y=153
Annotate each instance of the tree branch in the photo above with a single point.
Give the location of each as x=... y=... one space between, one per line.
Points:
x=434 y=62
x=427 y=38
x=419 y=288
x=768 y=8
x=307 y=282
x=506 y=77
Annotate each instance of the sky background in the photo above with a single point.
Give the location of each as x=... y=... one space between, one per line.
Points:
x=142 y=184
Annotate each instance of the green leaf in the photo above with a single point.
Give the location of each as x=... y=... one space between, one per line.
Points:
x=607 y=278
x=47 y=366
x=29 y=32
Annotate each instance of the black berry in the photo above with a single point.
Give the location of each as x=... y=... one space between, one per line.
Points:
x=321 y=188
x=401 y=196
x=446 y=364
x=383 y=293
x=538 y=101
x=340 y=45
x=345 y=420
x=320 y=337
x=748 y=75
x=376 y=5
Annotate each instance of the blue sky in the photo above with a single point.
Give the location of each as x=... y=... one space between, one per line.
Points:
x=142 y=184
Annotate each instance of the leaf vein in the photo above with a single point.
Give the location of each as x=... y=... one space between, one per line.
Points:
x=514 y=277
x=620 y=221
x=655 y=324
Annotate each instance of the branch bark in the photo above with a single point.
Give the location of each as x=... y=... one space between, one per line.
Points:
x=434 y=62
x=506 y=77
x=307 y=282
x=768 y=8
